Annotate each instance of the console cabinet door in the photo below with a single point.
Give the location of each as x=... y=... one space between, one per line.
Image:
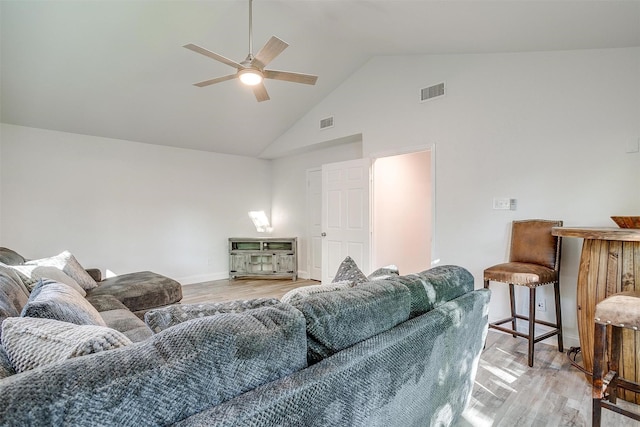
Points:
x=239 y=264
x=285 y=263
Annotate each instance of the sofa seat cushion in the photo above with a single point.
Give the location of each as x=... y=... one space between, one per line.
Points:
x=141 y=290
x=126 y=322
x=174 y=374
x=339 y=319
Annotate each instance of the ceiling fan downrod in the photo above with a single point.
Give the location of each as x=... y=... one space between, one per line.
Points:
x=250 y=57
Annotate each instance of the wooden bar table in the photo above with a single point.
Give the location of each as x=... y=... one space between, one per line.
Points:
x=609 y=263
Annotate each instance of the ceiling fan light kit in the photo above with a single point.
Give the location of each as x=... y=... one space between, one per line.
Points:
x=252 y=70
x=250 y=77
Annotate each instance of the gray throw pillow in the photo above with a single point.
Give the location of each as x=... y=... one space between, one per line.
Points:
x=166 y=317
x=53 y=300
x=70 y=266
x=382 y=273
x=31 y=342
x=348 y=270
x=304 y=291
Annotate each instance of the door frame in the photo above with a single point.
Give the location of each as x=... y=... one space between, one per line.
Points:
x=309 y=251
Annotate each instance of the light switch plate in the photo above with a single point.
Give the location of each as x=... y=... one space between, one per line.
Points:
x=633 y=146
x=501 y=203
x=504 y=204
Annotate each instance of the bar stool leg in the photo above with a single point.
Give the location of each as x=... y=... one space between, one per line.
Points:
x=614 y=357
x=512 y=299
x=532 y=323
x=556 y=289
x=597 y=391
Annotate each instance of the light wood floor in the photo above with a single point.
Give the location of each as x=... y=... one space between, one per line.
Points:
x=507 y=392
x=225 y=290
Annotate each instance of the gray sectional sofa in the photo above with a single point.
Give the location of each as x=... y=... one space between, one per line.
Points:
x=399 y=351
x=121 y=300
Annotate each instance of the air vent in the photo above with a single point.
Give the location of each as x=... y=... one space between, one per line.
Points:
x=326 y=123
x=431 y=92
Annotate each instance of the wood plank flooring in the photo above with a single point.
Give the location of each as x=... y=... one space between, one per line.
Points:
x=507 y=392
x=225 y=290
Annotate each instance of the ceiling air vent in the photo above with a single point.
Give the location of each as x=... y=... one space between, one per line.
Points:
x=431 y=92
x=326 y=123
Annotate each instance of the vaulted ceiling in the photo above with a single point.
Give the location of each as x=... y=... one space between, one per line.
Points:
x=117 y=69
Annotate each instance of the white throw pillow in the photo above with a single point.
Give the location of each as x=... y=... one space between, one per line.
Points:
x=31 y=273
x=70 y=266
x=30 y=342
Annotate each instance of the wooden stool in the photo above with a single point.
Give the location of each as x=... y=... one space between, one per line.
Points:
x=619 y=311
x=534 y=260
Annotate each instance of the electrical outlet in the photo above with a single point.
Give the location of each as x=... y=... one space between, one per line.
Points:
x=541 y=305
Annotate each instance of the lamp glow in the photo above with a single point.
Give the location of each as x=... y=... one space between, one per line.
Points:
x=261 y=221
x=250 y=76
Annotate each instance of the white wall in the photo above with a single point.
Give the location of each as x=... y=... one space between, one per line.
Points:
x=549 y=129
x=289 y=209
x=402 y=212
x=126 y=206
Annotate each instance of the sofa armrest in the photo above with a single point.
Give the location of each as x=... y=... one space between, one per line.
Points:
x=95 y=273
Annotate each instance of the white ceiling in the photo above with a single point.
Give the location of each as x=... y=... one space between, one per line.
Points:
x=117 y=69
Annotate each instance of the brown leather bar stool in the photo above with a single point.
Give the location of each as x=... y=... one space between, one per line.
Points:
x=621 y=310
x=534 y=260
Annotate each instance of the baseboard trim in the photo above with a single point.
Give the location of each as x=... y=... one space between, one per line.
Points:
x=199 y=278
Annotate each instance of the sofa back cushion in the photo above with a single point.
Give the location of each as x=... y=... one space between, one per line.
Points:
x=339 y=319
x=30 y=342
x=10 y=257
x=442 y=284
x=165 y=317
x=54 y=300
x=13 y=294
x=6 y=368
x=172 y=375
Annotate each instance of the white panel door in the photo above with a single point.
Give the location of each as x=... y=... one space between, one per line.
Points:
x=345 y=215
x=314 y=218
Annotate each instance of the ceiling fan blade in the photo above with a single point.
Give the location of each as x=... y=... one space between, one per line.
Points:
x=216 y=80
x=307 y=79
x=260 y=92
x=212 y=55
x=269 y=51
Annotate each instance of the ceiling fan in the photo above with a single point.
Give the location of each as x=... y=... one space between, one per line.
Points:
x=251 y=71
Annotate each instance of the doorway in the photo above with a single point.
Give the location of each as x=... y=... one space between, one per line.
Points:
x=401 y=213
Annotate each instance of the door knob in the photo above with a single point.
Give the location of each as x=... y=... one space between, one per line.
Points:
x=323 y=234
